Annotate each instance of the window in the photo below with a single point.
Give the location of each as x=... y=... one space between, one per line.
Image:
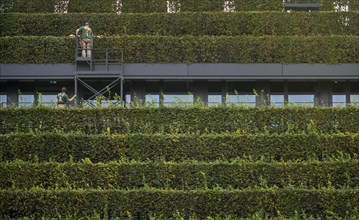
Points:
x=339 y=99
x=89 y=103
x=100 y=103
x=354 y=99
x=214 y=100
x=26 y=100
x=3 y=100
x=110 y=103
x=48 y=99
x=152 y=99
x=301 y=99
x=277 y=100
x=178 y=100
x=241 y=100
x=128 y=99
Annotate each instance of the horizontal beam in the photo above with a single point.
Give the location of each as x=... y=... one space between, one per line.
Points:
x=188 y=71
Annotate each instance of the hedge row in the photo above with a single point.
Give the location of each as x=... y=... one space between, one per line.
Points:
x=124 y=6
x=181 y=120
x=179 y=24
x=256 y=216
x=160 y=147
x=30 y=6
x=202 y=203
x=191 y=49
x=185 y=176
x=150 y=6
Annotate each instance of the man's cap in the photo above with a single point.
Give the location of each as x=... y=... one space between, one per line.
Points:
x=87 y=23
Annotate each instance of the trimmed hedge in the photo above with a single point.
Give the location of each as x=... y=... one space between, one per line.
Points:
x=37 y=50
x=139 y=204
x=181 y=120
x=30 y=6
x=110 y=6
x=104 y=6
x=141 y=147
x=328 y=5
x=191 y=49
x=185 y=176
x=179 y=24
x=143 y=6
x=150 y=6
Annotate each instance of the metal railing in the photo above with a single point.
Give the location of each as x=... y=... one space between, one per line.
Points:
x=102 y=63
x=309 y=4
x=101 y=56
x=302 y=1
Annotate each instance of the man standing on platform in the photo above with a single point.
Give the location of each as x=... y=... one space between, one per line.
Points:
x=86 y=39
x=86 y=36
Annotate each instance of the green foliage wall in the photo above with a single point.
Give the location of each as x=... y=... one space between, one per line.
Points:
x=179 y=120
x=94 y=6
x=150 y=6
x=176 y=147
x=258 y=5
x=191 y=49
x=141 y=203
x=178 y=24
x=29 y=6
x=202 y=5
x=329 y=5
x=180 y=176
x=144 y=6
x=38 y=50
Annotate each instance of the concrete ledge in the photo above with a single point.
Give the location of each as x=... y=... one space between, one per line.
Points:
x=313 y=70
x=149 y=70
x=14 y=71
x=231 y=69
x=191 y=71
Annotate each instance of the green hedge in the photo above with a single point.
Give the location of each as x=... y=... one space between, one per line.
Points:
x=327 y=5
x=191 y=49
x=193 y=5
x=93 y=6
x=150 y=6
x=30 y=6
x=141 y=147
x=37 y=50
x=258 y=5
x=179 y=24
x=110 y=6
x=141 y=203
x=186 y=176
x=143 y=6
x=181 y=120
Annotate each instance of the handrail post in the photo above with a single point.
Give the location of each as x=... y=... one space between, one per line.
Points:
x=122 y=64
x=106 y=59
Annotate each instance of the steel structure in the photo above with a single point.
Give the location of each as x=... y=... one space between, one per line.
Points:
x=104 y=63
